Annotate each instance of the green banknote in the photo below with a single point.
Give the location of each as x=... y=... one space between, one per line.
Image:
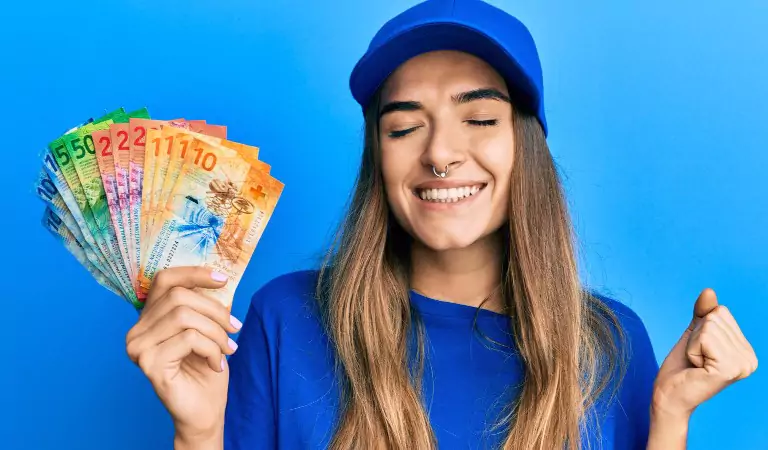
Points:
x=81 y=150
x=56 y=175
x=66 y=150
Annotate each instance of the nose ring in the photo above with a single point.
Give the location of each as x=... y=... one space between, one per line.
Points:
x=441 y=174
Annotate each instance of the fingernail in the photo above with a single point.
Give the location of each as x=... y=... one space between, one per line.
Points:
x=235 y=323
x=232 y=344
x=218 y=276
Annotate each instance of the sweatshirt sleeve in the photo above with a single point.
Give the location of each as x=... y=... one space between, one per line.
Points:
x=250 y=414
x=642 y=369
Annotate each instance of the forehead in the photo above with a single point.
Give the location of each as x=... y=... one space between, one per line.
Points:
x=441 y=72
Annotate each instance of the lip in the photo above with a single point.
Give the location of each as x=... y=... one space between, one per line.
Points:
x=447 y=184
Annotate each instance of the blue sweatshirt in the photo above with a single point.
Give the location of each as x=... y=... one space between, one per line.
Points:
x=283 y=393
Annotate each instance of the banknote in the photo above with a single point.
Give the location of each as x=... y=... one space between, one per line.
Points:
x=120 y=136
x=138 y=129
x=105 y=159
x=177 y=142
x=46 y=190
x=174 y=139
x=180 y=155
x=64 y=174
x=118 y=140
x=189 y=229
x=247 y=214
x=81 y=149
x=162 y=142
x=51 y=168
x=128 y=196
x=250 y=153
x=159 y=143
x=169 y=168
x=143 y=161
x=177 y=158
x=55 y=225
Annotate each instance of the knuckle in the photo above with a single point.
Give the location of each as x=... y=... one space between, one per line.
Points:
x=221 y=317
x=177 y=295
x=190 y=336
x=130 y=335
x=145 y=362
x=132 y=351
x=724 y=312
x=182 y=315
x=160 y=279
x=222 y=339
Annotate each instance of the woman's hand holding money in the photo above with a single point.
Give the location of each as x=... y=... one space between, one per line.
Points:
x=179 y=342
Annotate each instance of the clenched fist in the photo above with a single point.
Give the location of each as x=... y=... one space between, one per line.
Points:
x=180 y=342
x=711 y=355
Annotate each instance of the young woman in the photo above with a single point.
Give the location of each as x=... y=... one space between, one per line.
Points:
x=450 y=313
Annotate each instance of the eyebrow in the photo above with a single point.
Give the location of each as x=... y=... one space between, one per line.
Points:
x=461 y=98
x=479 y=94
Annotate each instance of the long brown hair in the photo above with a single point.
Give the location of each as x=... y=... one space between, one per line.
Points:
x=565 y=336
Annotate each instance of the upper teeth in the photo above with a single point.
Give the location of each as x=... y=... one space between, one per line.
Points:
x=448 y=195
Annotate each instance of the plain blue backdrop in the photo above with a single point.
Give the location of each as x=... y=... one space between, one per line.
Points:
x=658 y=115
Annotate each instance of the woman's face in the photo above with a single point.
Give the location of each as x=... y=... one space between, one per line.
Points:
x=447 y=109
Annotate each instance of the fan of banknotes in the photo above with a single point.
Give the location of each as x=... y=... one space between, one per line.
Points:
x=129 y=196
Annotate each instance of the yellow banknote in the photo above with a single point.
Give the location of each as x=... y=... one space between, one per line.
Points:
x=195 y=214
x=247 y=213
x=157 y=145
x=168 y=168
x=179 y=156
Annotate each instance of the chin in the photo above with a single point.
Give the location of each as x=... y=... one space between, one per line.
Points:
x=443 y=241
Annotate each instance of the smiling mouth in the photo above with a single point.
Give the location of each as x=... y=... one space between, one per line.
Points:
x=449 y=195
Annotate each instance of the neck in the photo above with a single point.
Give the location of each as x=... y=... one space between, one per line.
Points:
x=467 y=276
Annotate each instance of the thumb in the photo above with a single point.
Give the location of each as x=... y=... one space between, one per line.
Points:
x=705 y=304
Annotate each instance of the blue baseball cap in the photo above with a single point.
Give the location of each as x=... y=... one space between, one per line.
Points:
x=471 y=26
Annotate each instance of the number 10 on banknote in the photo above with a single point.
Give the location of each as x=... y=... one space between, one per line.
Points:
x=128 y=196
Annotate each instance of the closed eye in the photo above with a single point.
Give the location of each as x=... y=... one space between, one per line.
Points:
x=400 y=133
x=483 y=123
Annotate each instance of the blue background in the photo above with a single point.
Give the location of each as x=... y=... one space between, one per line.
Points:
x=657 y=113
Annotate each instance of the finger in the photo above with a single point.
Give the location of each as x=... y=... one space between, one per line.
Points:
x=743 y=345
x=189 y=277
x=179 y=296
x=705 y=303
x=181 y=346
x=708 y=341
x=734 y=346
x=177 y=321
x=733 y=326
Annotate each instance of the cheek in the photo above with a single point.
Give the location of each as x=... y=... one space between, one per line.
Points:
x=496 y=156
x=391 y=168
x=396 y=166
